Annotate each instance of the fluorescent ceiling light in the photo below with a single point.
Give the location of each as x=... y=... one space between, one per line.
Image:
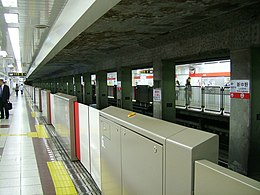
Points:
x=9 y=3
x=15 y=41
x=11 y=18
x=3 y=53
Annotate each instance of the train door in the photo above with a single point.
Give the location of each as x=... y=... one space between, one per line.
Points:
x=93 y=85
x=142 y=88
x=112 y=88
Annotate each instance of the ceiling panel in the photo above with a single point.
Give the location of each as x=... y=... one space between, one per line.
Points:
x=32 y=13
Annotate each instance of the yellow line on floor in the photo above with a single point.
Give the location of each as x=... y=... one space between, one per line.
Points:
x=5 y=135
x=61 y=179
x=32 y=134
x=42 y=133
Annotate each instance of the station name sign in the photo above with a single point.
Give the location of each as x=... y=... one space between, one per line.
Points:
x=17 y=74
x=240 y=89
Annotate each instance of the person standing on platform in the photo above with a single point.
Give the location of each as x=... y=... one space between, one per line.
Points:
x=21 y=89
x=16 y=89
x=177 y=89
x=4 y=99
x=188 y=90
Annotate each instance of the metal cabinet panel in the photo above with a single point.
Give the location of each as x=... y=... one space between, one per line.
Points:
x=142 y=165
x=182 y=150
x=110 y=158
x=213 y=179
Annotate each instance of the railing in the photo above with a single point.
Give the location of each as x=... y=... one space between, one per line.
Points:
x=209 y=98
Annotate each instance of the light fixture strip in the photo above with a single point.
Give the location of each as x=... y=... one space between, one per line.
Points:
x=9 y=3
x=15 y=41
x=11 y=18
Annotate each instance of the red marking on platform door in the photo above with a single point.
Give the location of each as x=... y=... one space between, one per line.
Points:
x=49 y=98
x=76 y=122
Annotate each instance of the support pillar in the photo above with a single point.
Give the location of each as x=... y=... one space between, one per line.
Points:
x=87 y=88
x=157 y=84
x=164 y=80
x=101 y=89
x=79 y=88
x=244 y=136
x=254 y=153
x=124 y=94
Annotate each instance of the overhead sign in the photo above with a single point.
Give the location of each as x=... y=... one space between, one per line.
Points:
x=240 y=89
x=17 y=74
x=157 y=95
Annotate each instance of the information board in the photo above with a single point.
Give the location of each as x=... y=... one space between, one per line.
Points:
x=157 y=95
x=21 y=74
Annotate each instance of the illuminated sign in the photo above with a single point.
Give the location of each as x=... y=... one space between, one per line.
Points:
x=17 y=74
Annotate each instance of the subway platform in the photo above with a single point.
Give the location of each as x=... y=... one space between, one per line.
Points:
x=32 y=160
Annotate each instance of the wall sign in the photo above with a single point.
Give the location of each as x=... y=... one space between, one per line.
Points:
x=157 y=95
x=240 y=89
x=119 y=85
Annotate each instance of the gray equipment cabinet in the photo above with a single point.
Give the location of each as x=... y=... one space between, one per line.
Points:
x=143 y=155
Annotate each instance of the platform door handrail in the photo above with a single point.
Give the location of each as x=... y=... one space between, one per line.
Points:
x=204 y=98
x=213 y=98
x=180 y=97
x=226 y=100
x=193 y=97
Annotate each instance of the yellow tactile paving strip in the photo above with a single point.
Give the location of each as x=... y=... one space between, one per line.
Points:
x=42 y=133
x=32 y=134
x=61 y=179
x=33 y=114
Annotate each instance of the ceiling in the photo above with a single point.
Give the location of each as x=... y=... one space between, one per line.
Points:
x=31 y=13
x=131 y=25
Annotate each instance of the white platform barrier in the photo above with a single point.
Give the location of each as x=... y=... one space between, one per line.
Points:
x=95 y=145
x=84 y=136
x=30 y=90
x=52 y=110
x=45 y=97
x=89 y=138
x=38 y=98
x=212 y=179
x=64 y=122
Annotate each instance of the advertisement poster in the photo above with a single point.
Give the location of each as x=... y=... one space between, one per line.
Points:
x=240 y=89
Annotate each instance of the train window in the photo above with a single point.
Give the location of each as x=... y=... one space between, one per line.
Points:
x=212 y=73
x=112 y=79
x=142 y=77
x=93 y=79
